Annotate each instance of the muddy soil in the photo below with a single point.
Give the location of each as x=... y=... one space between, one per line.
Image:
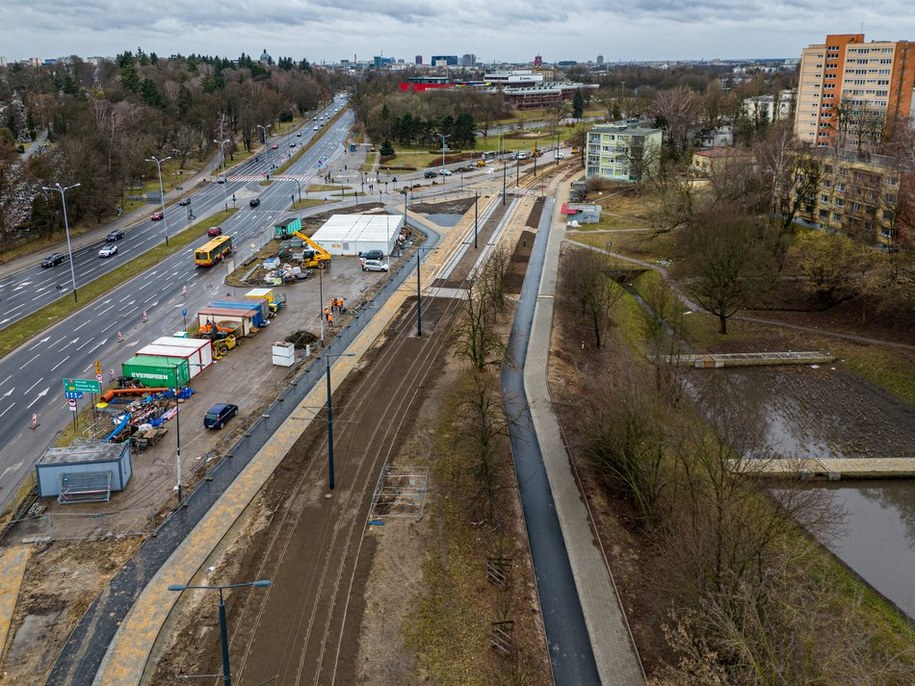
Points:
x=290 y=528
x=61 y=580
x=799 y=412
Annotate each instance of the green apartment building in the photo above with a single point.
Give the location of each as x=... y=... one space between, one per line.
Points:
x=622 y=152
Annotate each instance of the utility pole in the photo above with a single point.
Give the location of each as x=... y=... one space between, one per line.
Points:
x=476 y=218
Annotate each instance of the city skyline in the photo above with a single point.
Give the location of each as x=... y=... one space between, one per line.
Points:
x=659 y=31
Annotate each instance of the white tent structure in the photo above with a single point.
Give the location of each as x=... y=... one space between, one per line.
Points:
x=351 y=234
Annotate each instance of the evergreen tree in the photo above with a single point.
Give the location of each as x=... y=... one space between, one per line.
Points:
x=578 y=104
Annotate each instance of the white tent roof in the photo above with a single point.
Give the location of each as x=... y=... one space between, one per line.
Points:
x=358 y=230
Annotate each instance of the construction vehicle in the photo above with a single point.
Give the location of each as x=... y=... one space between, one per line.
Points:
x=315 y=258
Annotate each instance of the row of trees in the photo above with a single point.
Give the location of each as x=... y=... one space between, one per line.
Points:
x=410 y=118
x=105 y=120
x=406 y=129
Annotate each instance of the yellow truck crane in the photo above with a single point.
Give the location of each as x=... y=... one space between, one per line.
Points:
x=317 y=257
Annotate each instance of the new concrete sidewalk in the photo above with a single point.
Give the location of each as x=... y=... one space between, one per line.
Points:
x=611 y=641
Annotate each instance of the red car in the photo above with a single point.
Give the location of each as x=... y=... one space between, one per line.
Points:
x=158 y=216
x=274 y=147
x=214 y=231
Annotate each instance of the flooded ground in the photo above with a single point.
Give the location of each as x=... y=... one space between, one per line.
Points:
x=804 y=412
x=445 y=219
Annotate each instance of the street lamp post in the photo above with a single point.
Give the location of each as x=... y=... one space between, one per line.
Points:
x=419 y=300
x=321 y=302
x=504 y=167
x=223 y=629
x=222 y=146
x=178 y=436
x=63 y=201
x=330 y=421
x=264 y=128
x=161 y=193
x=476 y=218
x=443 y=137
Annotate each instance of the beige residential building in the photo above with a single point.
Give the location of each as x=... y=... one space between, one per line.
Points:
x=850 y=93
x=857 y=197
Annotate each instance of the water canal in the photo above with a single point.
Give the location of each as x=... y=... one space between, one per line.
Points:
x=826 y=412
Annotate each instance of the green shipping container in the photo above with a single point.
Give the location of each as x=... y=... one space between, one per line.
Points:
x=157 y=372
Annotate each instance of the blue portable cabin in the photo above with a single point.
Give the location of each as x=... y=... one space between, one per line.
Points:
x=259 y=319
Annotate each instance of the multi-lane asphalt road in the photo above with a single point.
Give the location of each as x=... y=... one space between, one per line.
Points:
x=31 y=378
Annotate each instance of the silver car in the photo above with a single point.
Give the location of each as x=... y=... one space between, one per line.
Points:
x=374 y=266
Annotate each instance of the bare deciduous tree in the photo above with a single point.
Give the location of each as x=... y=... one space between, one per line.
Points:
x=589 y=290
x=730 y=264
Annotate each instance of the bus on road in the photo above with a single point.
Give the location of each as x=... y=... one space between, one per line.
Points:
x=213 y=251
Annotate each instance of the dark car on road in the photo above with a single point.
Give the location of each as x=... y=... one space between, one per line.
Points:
x=372 y=255
x=214 y=231
x=218 y=415
x=255 y=202
x=52 y=260
x=431 y=174
x=184 y=202
x=157 y=216
x=114 y=236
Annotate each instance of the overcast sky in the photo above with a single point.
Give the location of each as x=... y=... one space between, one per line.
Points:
x=504 y=30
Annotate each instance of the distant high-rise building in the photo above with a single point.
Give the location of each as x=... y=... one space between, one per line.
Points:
x=600 y=60
x=444 y=60
x=468 y=60
x=419 y=59
x=538 y=61
x=849 y=90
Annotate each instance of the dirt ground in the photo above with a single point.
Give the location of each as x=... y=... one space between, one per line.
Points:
x=385 y=565
x=69 y=567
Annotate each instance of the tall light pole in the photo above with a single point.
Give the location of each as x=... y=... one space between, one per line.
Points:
x=419 y=300
x=178 y=436
x=504 y=166
x=161 y=193
x=63 y=201
x=330 y=421
x=476 y=218
x=225 y=181
x=264 y=128
x=321 y=302
x=223 y=629
x=443 y=137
